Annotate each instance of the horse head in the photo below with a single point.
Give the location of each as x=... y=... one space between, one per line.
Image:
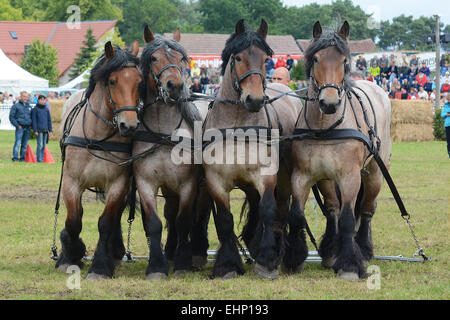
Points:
x=122 y=87
x=328 y=65
x=165 y=60
x=248 y=53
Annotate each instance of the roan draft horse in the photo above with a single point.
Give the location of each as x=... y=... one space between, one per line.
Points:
x=98 y=125
x=242 y=105
x=327 y=154
x=166 y=110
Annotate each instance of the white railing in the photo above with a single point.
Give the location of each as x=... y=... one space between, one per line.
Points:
x=4 y=117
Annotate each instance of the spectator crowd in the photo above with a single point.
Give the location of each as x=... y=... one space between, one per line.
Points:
x=410 y=80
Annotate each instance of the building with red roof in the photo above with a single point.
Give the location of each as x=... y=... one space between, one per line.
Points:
x=16 y=35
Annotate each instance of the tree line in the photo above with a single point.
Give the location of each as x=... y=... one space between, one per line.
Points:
x=220 y=16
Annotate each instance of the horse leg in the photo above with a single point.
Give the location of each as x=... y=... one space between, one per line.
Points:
x=158 y=267
x=199 y=233
x=184 y=222
x=349 y=263
x=266 y=244
x=328 y=246
x=73 y=248
x=371 y=186
x=170 y=212
x=296 y=247
x=103 y=264
x=249 y=229
x=228 y=261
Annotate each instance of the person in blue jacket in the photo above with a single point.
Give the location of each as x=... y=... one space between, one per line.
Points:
x=20 y=117
x=42 y=126
x=445 y=114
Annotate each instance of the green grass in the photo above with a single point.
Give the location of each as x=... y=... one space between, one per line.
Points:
x=421 y=172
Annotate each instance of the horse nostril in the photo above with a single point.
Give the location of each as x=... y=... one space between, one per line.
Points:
x=122 y=126
x=249 y=99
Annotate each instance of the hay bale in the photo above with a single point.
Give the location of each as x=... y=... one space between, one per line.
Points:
x=56 y=107
x=56 y=136
x=411 y=132
x=411 y=111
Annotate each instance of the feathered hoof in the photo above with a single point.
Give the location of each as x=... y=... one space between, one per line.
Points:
x=263 y=272
x=96 y=276
x=63 y=267
x=349 y=276
x=181 y=272
x=298 y=269
x=199 y=261
x=229 y=275
x=156 y=276
x=328 y=262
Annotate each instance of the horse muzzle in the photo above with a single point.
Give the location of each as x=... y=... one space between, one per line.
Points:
x=253 y=104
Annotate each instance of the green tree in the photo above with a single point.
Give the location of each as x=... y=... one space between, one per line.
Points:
x=298 y=72
x=41 y=60
x=31 y=9
x=8 y=12
x=89 y=10
x=220 y=16
x=406 y=33
x=86 y=56
x=160 y=15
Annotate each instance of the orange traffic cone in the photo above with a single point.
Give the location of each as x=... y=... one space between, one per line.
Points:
x=48 y=156
x=29 y=155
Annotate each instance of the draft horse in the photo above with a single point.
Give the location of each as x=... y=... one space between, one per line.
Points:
x=242 y=105
x=327 y=154
x=98 y=126
x=167 y=111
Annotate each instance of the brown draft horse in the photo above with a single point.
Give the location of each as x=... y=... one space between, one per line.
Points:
x=106 y=115
x=166 y=111
x=334 y=103
x=241 y=105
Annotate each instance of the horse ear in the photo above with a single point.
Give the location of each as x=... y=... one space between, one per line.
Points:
x=177 y=35
x=344 y=31
x=135 y=48
x=240 y=27
x=109 y=50
x=317 y=30
x=148 y=34
x=263 y=28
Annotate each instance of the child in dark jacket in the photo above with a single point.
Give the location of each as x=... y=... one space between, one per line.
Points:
x=41 y=123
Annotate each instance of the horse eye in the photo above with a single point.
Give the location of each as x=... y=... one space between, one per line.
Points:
x=154 y=59
x=112 y=83
x=238 y=59
x=316 y=60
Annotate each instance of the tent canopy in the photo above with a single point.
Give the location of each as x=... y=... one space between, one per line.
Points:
x=14 y=79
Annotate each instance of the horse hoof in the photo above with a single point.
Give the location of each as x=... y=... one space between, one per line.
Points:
x=156 y=276
x=298 y=269
x=230 y=275
x=263 y=272
x=349 y=276
x=63 y=267
x=328 y=262
x=199 y=261
x=181 y=272
x=96 y=276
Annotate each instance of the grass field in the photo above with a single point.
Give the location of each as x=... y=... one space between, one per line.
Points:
x=28 y=192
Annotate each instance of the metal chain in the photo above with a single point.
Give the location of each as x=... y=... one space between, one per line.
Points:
x=54 y=248
x=419 y=248
x=128 y=252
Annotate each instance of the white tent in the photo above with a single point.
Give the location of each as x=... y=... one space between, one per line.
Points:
x=14 y=79
x=75 y=83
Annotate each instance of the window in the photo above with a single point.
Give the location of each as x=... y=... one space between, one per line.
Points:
x=13 y=35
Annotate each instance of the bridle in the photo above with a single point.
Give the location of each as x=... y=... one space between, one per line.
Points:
x=162 y=94
x=340 y=89
x=137 y=108
x=237 y=80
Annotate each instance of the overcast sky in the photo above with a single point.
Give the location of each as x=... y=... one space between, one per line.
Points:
x=387 y=9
